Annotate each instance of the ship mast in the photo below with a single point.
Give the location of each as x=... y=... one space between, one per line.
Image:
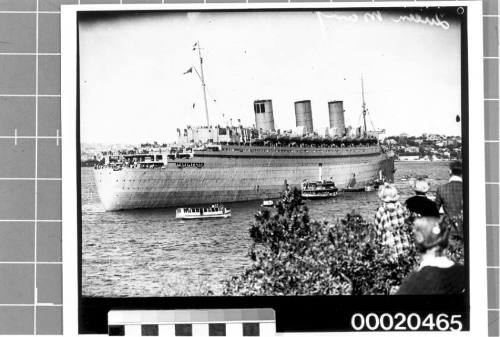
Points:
x=202 y=77
x=365 y=110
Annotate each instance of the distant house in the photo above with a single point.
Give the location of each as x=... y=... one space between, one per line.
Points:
x=412 y=149
x=434 y=137
x=212 y=322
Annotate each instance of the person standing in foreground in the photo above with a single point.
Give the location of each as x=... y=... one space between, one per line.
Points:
x=436 y=274
x=450 y=197
x=390 y=222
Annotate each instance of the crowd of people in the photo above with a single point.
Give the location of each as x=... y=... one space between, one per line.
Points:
x=430 y=226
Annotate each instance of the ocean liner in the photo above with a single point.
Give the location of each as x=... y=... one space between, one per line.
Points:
x=233 y=163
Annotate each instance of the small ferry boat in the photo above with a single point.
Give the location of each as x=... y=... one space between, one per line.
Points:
x=214 y=211
x=318 y=189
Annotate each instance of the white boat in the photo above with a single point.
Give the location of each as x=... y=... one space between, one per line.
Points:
x=267 y=203
x=214 y=211
x=318 y=189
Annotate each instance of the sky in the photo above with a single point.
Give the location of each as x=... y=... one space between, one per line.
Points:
x=133 y=87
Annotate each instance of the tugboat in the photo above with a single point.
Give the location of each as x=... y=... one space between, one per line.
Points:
x=214 y=211
x=371 y=186
x=351 y=185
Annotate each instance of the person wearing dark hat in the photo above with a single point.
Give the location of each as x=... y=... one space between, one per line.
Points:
x=421 y=188
x=436 y=274
x=450 y=197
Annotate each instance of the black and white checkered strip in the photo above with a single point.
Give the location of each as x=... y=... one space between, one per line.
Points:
x=214 y=322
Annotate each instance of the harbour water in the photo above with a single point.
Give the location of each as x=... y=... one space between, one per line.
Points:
x=149 y=253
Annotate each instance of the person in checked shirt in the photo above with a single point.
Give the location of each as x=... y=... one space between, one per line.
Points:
x=390 y=222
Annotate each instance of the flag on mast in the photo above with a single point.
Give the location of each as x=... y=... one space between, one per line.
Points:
x=195 y=45
x=190 y=70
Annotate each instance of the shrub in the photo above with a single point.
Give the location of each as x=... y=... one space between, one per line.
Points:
x=295 y=255
x=455 y=249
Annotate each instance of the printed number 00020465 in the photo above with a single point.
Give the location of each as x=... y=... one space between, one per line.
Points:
x=402 y=322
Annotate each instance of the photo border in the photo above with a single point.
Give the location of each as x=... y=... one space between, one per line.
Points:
x=473 y=138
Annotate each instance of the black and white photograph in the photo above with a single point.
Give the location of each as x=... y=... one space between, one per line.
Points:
x=261 y=152
x=335 y=127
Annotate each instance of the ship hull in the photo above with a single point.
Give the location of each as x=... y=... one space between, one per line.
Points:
x=207 y=179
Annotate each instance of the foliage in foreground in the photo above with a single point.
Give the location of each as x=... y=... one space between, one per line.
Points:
x=456 y=250
x=295 y=255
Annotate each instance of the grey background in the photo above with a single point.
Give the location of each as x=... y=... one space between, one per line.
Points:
x=30 y=174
